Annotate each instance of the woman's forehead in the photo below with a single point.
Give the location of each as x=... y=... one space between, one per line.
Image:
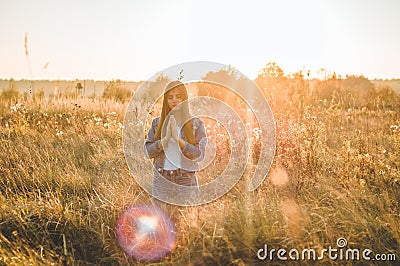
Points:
x=174 y=91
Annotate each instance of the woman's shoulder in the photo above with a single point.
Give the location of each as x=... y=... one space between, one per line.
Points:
x=197 y=121
x=155 y=121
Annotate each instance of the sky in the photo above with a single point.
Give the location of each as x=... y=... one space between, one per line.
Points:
x=133 y=40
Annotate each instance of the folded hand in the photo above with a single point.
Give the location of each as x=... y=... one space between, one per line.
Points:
x=173 y=128
x=166 y=137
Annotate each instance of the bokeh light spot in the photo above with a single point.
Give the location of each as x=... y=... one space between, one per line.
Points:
x=145 y=233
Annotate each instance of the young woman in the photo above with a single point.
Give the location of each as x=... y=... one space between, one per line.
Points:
x=176 y=143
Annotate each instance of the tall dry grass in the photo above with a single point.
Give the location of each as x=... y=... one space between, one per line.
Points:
x=64 y=182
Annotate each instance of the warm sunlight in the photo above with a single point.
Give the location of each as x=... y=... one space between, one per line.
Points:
x=188 y=132
x=131 y=40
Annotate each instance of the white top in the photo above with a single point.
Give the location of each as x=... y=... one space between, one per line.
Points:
x=172 y=154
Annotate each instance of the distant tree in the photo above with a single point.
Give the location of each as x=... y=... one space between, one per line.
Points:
x=115 y=90
x=39 y=95
x=271 y=77
x=10 y=93
x=271 y=71
x=155 y=88
x=325 y=89
x=358 y=85
x=161 y=82
x=274 y=84
x=385 y=97
x=231 y=84
x=299 y=91
x=79 y=89
x=353 y=91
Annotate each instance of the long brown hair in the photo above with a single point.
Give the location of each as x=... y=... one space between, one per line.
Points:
x=188 y=126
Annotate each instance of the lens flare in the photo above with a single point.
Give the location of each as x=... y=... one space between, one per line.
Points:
x=145 y=233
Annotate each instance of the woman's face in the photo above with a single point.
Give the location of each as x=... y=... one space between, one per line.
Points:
x=174 y=97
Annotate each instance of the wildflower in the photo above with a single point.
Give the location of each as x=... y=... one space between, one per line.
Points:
x=348 y=145
x=257 y=130
x=15 y=107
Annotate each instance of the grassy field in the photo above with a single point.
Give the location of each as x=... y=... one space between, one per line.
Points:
x=64 y=183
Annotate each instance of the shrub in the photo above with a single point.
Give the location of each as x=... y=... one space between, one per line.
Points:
x=11 y=93
x=115 y=90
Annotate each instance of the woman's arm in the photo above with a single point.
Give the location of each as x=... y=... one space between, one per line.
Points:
x=182 y=143
x=152 y=147
x=195 y=151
